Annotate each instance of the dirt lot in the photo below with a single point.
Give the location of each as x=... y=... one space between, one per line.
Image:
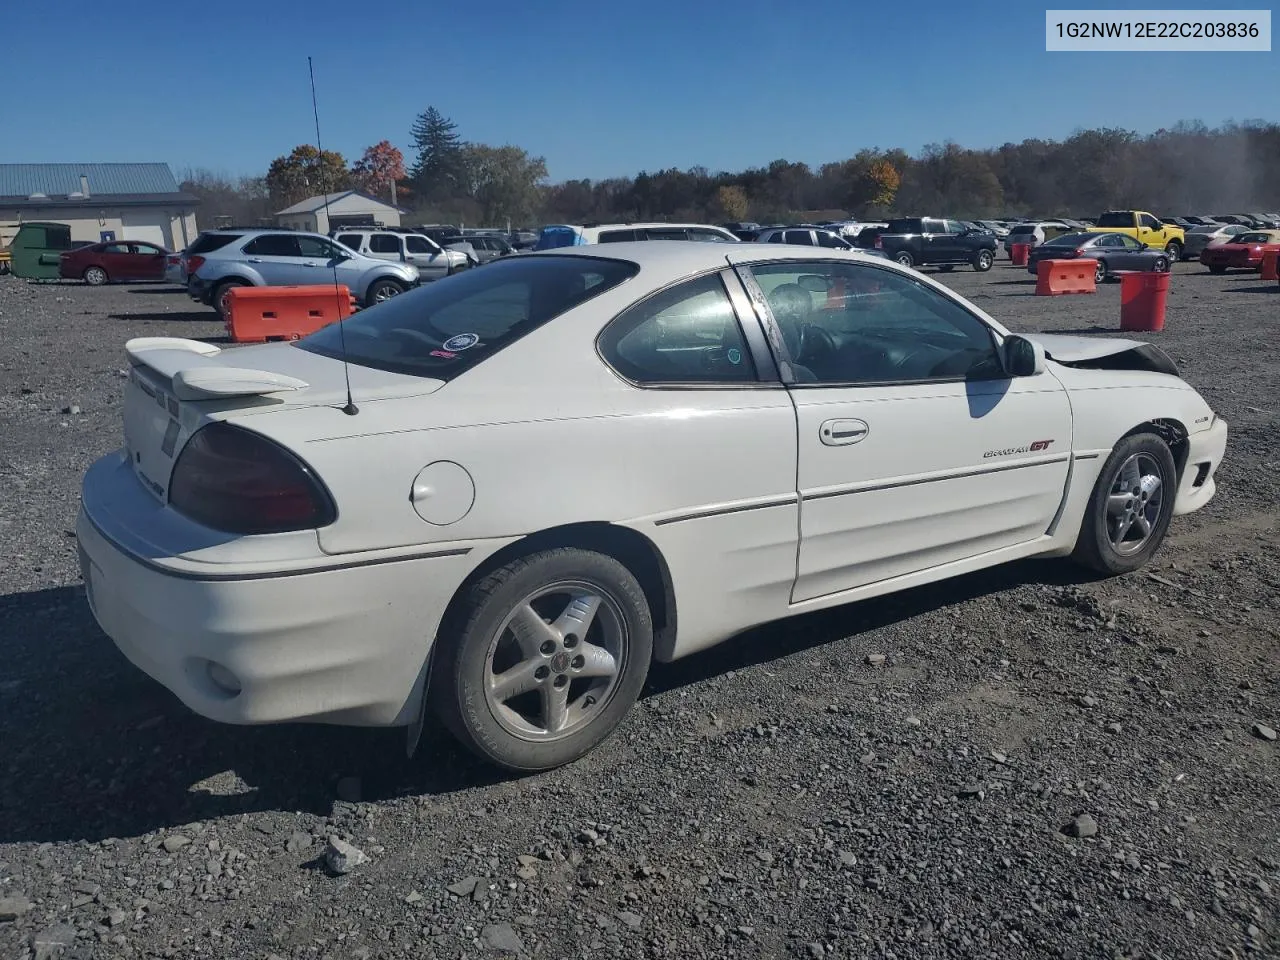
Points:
x=777 y=797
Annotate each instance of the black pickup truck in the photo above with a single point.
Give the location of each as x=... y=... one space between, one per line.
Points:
x=915 y=241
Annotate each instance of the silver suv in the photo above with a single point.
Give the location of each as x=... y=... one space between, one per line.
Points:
x=417 y=249
x=283 y=258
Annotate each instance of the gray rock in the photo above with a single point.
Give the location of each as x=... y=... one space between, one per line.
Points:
x=525 y=860
x=526 y=873
x=816 y=950
x=341 y=857
x=349 y=789
x=464 y=887
x=1087 y=702
x=72 y=409
x=632 y=920
x=502 y=937
x=297 y=842
x=969 y=790
x=848 y=858
x=116 y=917
x=413 y=897
x=876 y=659
x=86 y=887
x=1263 y=732
x=50 y=942
x=14 y=906
x=588 y=836
x=1114 y=728
x=913 y=721
x=175 y=842
x=1082 y=826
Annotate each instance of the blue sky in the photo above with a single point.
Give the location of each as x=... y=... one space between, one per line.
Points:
x=598 y=87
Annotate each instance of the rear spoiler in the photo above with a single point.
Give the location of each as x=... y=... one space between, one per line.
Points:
x=193 y=375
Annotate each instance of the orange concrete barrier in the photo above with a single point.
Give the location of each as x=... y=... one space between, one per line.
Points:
x=1018 y=254
x=257 y=314
x=1065 y=276
x=1269 y=271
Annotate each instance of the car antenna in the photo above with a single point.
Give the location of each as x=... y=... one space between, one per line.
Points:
x=350 y=409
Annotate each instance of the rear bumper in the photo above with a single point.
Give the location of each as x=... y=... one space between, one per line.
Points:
x=1205 y=451
x=344 y=644
x=200 y=290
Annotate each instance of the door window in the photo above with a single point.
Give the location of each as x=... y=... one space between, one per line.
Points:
x=831 y=241
x=116 y=248
x=351 y=240
x=659 y=234
x=848 y=323
x=1150 y=222
x=145 y=249
x=801 y=238
x=933 y=226
x=1128 y=242
x=617 y=236
x=273 y=245
x=384 y=243
x=419 y=245
x=1111 y=240
x=707 y=236
x=685 y=334
x=318 y=247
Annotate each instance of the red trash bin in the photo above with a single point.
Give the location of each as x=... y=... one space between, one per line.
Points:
x=1018 y=253
x=1142 y=300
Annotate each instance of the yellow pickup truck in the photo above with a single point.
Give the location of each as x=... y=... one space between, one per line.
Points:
x=1145 y=228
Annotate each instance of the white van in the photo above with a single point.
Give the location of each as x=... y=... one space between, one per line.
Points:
x=574 y=235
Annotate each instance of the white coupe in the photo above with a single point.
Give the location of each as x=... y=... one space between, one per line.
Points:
x=501 y=496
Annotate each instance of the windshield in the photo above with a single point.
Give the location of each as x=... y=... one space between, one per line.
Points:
x=1252 y=238
x=449 y=326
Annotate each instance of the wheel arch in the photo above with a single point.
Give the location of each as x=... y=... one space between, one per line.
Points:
x=1173 y=432
x=628 y=546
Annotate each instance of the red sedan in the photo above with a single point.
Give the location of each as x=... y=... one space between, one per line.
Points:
x=115 y=260
x=1243 y=252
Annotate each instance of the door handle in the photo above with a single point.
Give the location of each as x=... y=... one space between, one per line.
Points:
x=311 y=264
x=254 y=260
x=836 y=433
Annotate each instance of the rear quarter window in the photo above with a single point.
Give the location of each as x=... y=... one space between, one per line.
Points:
x=208 y=242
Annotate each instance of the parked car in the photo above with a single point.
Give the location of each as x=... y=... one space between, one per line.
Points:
x=1113 y=251
x=263 y=258
x=431 y=259
x=244 y=555
x=524 y=239
x=115 y=261
x=1211 y=235
x=805 y=237
x=487 y=247
x=1239 y=218
x=999 y=229
x=436 y=231
x=1267 y=221
x=1034 y=232
x=1145 y=228
x=554 y=236
x=1242 y=252
x=913 y=241
x=740 y=226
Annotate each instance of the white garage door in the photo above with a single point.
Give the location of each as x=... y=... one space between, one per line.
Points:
x=150 y=227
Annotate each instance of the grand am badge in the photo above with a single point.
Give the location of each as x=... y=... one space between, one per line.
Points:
x=1035 y=446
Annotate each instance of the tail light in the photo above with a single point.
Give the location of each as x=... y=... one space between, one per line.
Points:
x=237 y=481
x=1079 y=251
x=194 y=264
x=879 y=243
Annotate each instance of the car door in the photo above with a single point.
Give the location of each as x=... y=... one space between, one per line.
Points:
x=116 y=260
x=915 y=448
x=1129 y=253
x=936 y=243
x=146 y=261
x=431 y=261
x=1150 y=230
x=278 y=260
x=327 y=262
x=799 y=238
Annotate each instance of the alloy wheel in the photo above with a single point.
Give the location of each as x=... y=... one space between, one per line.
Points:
x=1133 y=506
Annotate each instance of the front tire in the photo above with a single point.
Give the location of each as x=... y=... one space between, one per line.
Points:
x=95 y=276
x=1217 y=269
x=983 y=260
x=1162 y=265
x=382 y=290
x=1130 y=507
x=1100 y=272
x=543 y=658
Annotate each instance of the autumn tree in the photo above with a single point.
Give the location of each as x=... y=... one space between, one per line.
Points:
x=731 y=203
x=306 y=172
x=439 y=167
x=504 y=181
x=885 y=180
x=378 y=170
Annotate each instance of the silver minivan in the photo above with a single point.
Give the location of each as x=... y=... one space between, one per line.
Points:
x=432 y=261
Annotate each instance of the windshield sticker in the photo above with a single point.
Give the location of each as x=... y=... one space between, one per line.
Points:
x=734 y=355
x=443 y=353
x=462 y=341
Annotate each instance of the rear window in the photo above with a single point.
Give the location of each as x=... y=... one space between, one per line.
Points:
x=444 y=329
x=1116 y=220
x=1030 y=229
x=1253 y=238
x=1066 y=240
x=208 y=242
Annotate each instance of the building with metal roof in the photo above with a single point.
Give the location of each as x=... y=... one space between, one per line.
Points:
x=345 y=209
x=99 y=201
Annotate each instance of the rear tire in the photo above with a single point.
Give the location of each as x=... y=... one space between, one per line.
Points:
x=486 y=640
x=95 y=276
x=219 y=298
x=381 y=290
x=1100 y=272
x=905 y=258
x=1174 y=249
x=1135 y=489
x=947 y=267
x=1217 y=269
x=983 y=260
x=1162 y=265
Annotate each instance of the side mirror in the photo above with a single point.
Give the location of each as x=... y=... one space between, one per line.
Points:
x=1022 y=357
x=1144 y=246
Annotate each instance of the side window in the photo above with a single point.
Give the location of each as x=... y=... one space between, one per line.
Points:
x=116 y=248
x=1128 y=242
x=933 y=226
x=618 y=236
x=847 y=323
x=1150 y=221
x=419 y=245
x=384 y=243
x=685 y=334
x=831 y=241
x=318 y=247
x=660 y=234
x=273 y=245
x=351 y=240
x=706 y=236
x=799 y=237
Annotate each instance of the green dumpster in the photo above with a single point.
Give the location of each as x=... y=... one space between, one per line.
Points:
x=36 y=249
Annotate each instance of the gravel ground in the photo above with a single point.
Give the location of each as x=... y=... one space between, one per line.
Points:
x=1018 y=763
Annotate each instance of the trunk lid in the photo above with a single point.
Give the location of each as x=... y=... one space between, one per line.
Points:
x=176 y=385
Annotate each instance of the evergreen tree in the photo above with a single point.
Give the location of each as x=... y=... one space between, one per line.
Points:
x=438 y=171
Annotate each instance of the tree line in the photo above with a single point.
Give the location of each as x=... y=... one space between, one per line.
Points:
x=1189 y=169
